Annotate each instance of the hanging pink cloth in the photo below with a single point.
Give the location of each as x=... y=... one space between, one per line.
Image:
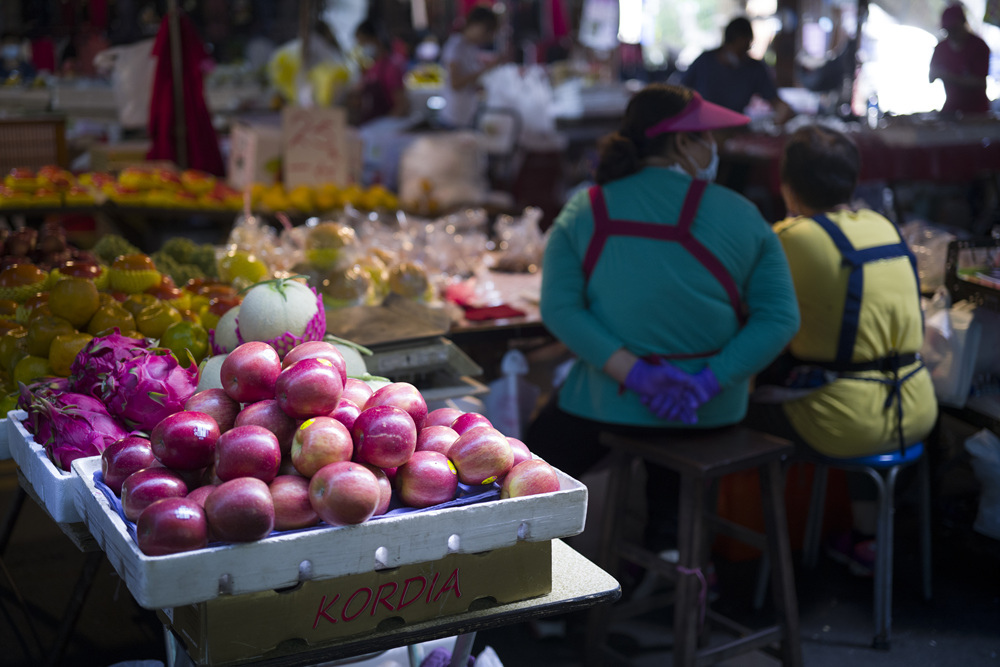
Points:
x=202 y=143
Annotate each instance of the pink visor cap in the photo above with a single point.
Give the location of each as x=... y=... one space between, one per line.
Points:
x=698 y=116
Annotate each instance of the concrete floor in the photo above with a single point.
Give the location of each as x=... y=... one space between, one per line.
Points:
x=960 y=626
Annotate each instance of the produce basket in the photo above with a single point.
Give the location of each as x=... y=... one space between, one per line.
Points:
x=285 y=559
x=55 y=488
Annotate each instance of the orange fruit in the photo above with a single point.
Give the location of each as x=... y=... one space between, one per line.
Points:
x=75 y=300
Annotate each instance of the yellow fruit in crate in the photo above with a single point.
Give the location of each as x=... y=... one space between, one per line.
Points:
x=301 y=197
x=352 y=195
x=31 y=368
x=75 y=300
x=64 y=349
x=327 y=197
x=133 y=273
x=42 y=330
x=153 y=320
x=275 y=199
x=111 y=315
x=239 y=264
x=257 y=191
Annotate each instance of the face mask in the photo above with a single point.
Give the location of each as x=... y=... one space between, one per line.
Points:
x=711 y=170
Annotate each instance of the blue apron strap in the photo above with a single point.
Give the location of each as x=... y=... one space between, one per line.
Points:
x=855 y=288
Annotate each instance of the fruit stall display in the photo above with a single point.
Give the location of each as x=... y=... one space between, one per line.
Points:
x=172 y=189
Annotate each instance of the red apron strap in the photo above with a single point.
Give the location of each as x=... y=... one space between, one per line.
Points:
x=602 y=229
x=691 y=202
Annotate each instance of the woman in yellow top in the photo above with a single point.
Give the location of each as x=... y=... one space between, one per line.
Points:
x=851 y=383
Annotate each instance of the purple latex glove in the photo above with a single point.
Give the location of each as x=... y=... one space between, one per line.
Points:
x=650 y=380
x=441 y=657
x=682 y=404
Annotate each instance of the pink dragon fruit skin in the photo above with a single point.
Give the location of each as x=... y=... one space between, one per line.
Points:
x=70 y=430
x=98 y=358
x=143 y=390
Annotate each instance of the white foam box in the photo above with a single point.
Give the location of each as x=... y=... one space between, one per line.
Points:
x=55 y=488
x=4 y=437
x=285 y=560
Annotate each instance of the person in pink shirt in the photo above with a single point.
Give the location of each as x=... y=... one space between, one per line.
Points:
x=382 y=91
x=961 y=60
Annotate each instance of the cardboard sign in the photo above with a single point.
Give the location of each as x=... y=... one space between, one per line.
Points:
x=317 y=147
x=254 y=154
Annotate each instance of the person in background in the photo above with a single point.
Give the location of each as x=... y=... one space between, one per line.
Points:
x=381 y=91
x=961 y=60
x=13 y=64
x=465 y=60
x=670 y=290
x=728 y=76
x=851 y=383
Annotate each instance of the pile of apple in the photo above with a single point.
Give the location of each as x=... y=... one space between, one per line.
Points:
x=288 y=443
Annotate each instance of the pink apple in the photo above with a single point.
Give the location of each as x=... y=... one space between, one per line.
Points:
x=170 y=526
x=482 y=455
x=529 y=478
x=240 y=510
x=249 y=372
x=292 y=508
x=247 y=451
x=199 y=494
x=346 y=413
x=384 y=485
x=317 y=349
x=404 y=396
x=143 y=488
x=309 y=388
x=384 y=436
x=268 y=413
x=216 y=403
x=319 y=442
x=357 y=391
x=436 y=439
x=124 y=457
x=344 y=493
x=469 y=420
x=521 y=451
x=185 y=440
x=442 y=417
x=427 y=479
x=390 y=473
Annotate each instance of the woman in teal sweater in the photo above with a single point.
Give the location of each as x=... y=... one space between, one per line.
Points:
x=671 y=291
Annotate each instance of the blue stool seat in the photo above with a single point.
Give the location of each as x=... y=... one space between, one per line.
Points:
x=883 y=470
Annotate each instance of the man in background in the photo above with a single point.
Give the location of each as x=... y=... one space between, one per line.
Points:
x=961 y=60
x=729 y=77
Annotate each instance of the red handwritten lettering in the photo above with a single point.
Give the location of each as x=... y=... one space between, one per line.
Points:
x=450 y=584
x=321 y=612
x=379 y=599
x=430 y=588
x=406 y=587
x=368 y=598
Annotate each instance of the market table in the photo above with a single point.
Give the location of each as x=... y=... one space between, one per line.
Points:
x=577 y=584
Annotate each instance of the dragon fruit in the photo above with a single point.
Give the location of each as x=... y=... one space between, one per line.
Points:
x=68 y=425
x=99 y=357
x=143 y=390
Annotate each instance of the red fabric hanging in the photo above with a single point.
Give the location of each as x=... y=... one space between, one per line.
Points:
x=202 y=143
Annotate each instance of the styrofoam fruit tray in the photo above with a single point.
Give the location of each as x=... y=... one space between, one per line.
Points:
x=55 y=488
x=284 y=559
x=4 y=438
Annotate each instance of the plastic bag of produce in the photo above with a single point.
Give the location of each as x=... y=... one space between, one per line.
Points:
x=984 y=448
x=443 y=170
x=512 y=399
x=929 y=244
x=951 y=346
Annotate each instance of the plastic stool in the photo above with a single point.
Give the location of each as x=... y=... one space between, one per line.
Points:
x=700 y=458
x=883 y=469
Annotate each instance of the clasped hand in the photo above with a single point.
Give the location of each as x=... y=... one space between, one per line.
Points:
x=669 y=392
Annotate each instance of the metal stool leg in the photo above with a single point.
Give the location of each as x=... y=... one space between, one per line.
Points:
x=782 y=579
x=883 y=554
x=925 y=522
x=814 y=525
x=691 y=547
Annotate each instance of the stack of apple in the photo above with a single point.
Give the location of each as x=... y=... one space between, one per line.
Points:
x=288 y=443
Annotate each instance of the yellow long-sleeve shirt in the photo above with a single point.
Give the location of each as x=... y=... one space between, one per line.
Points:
x=848 y=417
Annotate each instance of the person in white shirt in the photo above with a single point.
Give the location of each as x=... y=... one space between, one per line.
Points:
x=465 y=61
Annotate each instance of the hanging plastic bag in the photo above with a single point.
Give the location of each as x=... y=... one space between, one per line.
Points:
x=951 y=346
x=132 y=67
x=512 y=399
x=984 y=448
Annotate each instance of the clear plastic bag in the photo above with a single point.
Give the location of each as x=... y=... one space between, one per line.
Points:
x=951 y=346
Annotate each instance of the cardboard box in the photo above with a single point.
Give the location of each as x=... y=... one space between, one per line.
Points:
x=55 y=488
x=254 y=154
x=317 y=147
x=231 y=629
